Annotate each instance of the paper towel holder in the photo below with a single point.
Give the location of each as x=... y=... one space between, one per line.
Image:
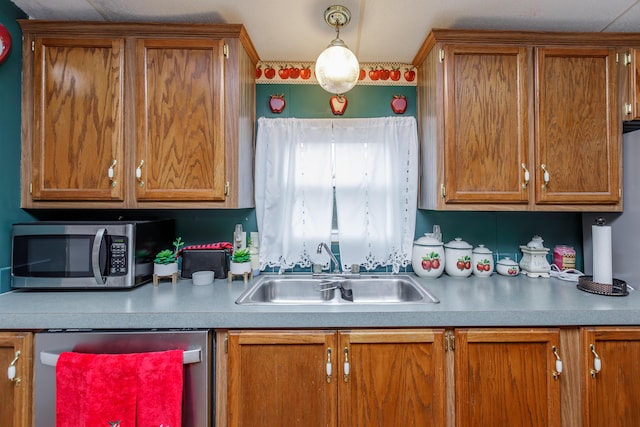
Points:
x=616 y=288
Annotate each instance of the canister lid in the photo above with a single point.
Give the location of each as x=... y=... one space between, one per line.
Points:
x=458 y=243
x=428 y=240
x=480 y=249
x=507 y=261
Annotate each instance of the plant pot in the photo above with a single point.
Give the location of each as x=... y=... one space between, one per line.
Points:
x=239 y=268
x=163 y=270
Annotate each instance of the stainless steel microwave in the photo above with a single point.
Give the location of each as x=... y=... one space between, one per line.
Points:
x=87 y=255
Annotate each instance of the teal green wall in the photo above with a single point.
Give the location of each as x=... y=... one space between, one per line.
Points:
x=10 y=104
x=311 y=101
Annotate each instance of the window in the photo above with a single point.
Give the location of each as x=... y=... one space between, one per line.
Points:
x=363 y=170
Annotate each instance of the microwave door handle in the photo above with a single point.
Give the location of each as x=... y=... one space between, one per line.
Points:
x=190 y=356
x=95 y=256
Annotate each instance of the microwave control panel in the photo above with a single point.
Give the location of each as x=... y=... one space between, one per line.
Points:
x=118 y=256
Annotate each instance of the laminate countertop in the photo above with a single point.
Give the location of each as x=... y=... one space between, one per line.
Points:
x=473 y=302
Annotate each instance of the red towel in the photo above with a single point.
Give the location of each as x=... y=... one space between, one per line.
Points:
x=160 y=378
x=119 y=390
x=96 y=390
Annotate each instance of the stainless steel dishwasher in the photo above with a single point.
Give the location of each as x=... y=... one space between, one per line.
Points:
x=198 y=346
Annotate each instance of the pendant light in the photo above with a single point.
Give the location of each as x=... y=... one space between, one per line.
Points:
x=337 y=68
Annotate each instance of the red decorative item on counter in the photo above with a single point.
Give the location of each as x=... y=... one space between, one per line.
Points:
x=399 y=104
x=338 y=104
x=277 y=103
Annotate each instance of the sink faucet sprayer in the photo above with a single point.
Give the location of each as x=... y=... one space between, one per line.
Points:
x=333 y=258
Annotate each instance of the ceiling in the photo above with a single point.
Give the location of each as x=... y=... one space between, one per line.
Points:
x=380 y=30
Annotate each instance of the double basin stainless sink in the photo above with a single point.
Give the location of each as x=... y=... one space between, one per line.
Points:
x=335 y=289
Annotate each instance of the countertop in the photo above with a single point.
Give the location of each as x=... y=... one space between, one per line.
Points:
x=474 y=302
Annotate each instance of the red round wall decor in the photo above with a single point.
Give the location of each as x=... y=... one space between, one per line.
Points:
x=5 y=43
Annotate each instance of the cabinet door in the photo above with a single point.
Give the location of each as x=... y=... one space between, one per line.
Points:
x=180 y=120
x=578 y=133
x=77 y=121
x=505 y=377
x=610 y=396
x=391 y=378
x=485 y=119
x=15 y=404
x=280 y=378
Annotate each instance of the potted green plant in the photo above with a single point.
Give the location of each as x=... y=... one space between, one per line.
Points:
x=166 y=261
x=240 y=262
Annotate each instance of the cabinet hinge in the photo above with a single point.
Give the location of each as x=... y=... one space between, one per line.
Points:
x=441 y=55
x=225 y=51
x=449 y=341
x=226 y=342
x=226 y=188
x=626 y=58
x=443 y=191
x=33 y=46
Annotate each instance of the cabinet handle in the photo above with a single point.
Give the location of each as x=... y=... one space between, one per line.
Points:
x=329 y=367
x=111 y=173
x=597 y=363
x=546 y=176
x=346 y=365
x=139 y=173
x=11 y=372
x=558 y=370
x=526 y=176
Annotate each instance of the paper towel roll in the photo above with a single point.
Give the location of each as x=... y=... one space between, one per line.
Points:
x=602 y=259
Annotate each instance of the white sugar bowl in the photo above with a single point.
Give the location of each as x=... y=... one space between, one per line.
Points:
x=458 y=255
x=507 y=267
x=427 y=258
x=482 y=261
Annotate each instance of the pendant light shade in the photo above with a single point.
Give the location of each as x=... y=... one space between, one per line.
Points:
x=337 y=68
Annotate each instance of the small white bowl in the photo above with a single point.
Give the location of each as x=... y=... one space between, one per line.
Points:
x=202 y=278
x=507 y=267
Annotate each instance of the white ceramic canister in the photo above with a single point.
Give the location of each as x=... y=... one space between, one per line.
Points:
x=482 y=261
x=458 y=254
x=427 y=258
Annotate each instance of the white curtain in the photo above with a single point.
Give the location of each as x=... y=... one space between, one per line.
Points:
x=293 y=185
x=373 y=164
x=376 y=178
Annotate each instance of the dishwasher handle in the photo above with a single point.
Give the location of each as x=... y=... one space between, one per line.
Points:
x=188 y=357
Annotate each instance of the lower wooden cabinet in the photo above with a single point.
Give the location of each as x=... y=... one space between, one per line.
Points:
x=464 y=377
x=507 y=377
x=610 y=376
x=15 y=403
x=336 y=378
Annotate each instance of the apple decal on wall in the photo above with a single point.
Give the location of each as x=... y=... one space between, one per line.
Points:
x=338 y=104
x=399 y=104
x=277 y=103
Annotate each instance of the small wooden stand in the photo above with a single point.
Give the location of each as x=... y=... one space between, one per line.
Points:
x=172 y=276
x=244 y=275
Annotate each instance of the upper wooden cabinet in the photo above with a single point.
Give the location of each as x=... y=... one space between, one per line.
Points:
x=137 y=115
x=519 y=121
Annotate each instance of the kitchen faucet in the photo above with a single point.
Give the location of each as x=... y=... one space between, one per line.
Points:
x=336 y=270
